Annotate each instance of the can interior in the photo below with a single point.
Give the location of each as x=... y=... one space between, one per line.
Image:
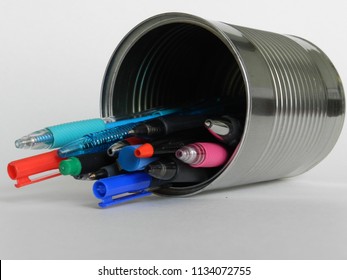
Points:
x=172 y=65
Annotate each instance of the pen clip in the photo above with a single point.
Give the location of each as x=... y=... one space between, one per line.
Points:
x=23 y=181
x=109 y=201
x=122 y=188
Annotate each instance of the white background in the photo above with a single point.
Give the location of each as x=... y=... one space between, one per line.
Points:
x=260 y=269
x=52 y=58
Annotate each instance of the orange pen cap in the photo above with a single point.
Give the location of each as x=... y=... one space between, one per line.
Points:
x=144 y=151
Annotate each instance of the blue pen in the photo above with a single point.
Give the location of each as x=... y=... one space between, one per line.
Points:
x=59 y=135
x=111 y=190
x=100 y=141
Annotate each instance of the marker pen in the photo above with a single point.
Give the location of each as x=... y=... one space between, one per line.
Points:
x=203 y=154
x=84 y=164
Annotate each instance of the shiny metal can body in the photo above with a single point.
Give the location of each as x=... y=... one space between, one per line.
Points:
x=285 y=88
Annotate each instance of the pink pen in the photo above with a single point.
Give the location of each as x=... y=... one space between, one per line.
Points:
x=203 y=154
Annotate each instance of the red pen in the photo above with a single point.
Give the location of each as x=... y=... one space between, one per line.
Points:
x=22 y=169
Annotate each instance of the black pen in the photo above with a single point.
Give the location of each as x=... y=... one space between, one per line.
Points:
x=175 y=171
x=104 y=172
x=84 y=163
x=166 y=125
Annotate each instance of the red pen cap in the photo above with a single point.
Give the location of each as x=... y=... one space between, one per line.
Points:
x=144 y=151
x=135 y=140
x=22 y=169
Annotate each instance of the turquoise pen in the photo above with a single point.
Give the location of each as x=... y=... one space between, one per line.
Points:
x=59 y=135
x=102 y=140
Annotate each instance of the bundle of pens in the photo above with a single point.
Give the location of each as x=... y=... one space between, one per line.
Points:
x=134 y=155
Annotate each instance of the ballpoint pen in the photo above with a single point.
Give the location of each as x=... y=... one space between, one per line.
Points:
x=95 y=142
x=166 y=125
x=24 y=169
x=100 y=141
x=59 y=135
x=176 y=171
x=226 y=129
x=85 y=163
x=104 y=172
x=203 y=154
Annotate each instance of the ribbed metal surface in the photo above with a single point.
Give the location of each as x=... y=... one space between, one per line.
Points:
x=297 y=136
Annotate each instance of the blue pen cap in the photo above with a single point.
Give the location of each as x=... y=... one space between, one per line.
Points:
x=106 y=189
x=129 y=162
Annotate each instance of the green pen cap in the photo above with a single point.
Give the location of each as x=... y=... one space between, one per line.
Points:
x=71 y=166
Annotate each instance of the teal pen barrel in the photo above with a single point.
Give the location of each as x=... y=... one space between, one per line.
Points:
x=284 y=90
x=65 y=133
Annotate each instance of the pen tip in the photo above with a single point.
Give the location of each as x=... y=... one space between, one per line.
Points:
x=217 y=127
x=208 y=123
x=110 y=152
x=24 y=142
x=17 y=144
x=131 y=131
x=92 y=176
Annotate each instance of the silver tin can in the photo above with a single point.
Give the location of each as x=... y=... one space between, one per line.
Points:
x=285 y=89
